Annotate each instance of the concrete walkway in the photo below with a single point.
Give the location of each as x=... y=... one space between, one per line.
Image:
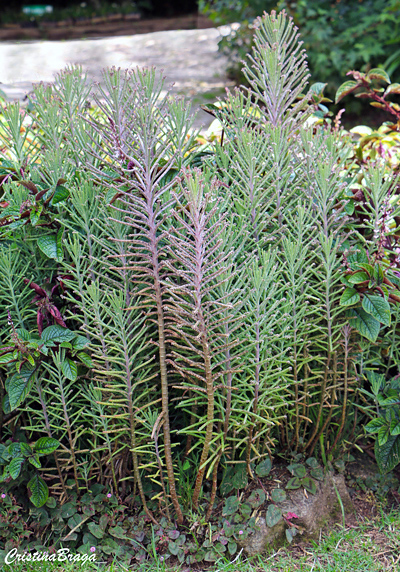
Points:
x=189 y=59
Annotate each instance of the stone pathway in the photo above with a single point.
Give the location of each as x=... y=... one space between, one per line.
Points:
x=189 y=59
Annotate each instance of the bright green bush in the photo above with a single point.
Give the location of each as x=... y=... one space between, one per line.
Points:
x=188 y=318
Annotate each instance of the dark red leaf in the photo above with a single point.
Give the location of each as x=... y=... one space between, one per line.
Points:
x=39 y=291
x=55 y=312
x=39 y=320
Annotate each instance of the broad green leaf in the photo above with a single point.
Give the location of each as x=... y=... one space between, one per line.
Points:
x=263 y=469
x=85 y=358
x=14 y=467
x=365 y=324
x=358 y=278
x=25 y=449
x=35 y=214
x=388 y=455
x=317 y=473
x=68 y=509
x=278 y=495
x=312 y=462
x=346 y=88
x=80 y=342
x=69 y=369
x=34 y=460
x=377 y=307
x=117 y=532
x=232 y=548
x=374 y=425
x=354 y=259
x=45 y=445
x=309 y=485
x=257 y=498
x=245 y=509
x=349 y=207
x=349 y=297
x=5 y=358
x=383 y=435
x=378 y=73
x=75 y=520
x=273 y=515
x=56 y=334
x=51 y=245
x=231 y=506
x=294 y=483
x=60 y=194
x=39 y=491
x=19 y=385
x=297 y=470
x=393 y=88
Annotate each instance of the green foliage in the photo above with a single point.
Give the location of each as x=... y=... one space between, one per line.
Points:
x=337 y=36
x=175 y=318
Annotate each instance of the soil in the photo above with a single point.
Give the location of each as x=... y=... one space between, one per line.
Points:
x=114 y=25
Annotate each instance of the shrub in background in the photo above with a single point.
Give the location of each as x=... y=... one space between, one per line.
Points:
x=337 y=36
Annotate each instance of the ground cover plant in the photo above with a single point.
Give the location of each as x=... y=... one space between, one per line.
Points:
x=175 y=317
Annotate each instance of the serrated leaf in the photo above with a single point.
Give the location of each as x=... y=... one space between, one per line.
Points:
x=80 y=342
x=19 y=386
x=358 y=278
x=34 y=460
x=69 y=369
x=46 y=445
x=309 y=485
x=349 y=297
x=346 y=88
x=25 y=449
x=57 y=334
x=293 y=483
x=374 y=425
x=273 y=515
x=278 y=495
x=378 y=73
x=5 y=358
x=383 y=435
x=85 y=359
x=377 y=307
x=51 y=246
x=264 y=468
x=60 y=194
x=14 y=467
x=39 y=491
x=388 y=455
x=365 y=324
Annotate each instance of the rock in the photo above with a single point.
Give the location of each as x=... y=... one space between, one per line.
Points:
x=313 y=511
x=363 y=467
